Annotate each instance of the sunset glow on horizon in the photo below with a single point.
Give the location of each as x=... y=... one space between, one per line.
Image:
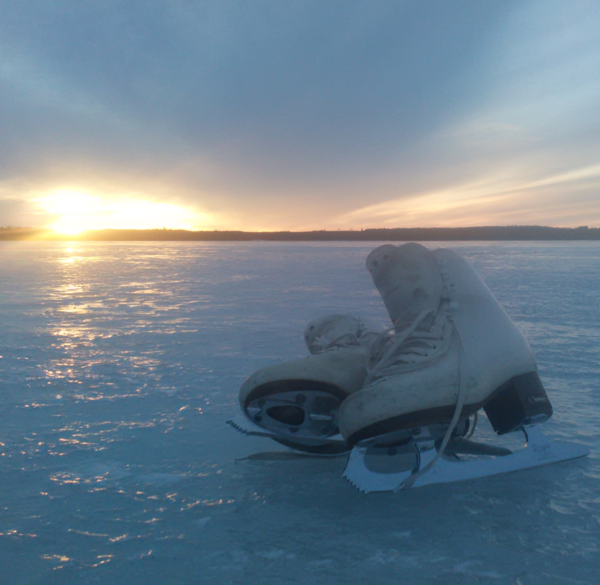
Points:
x=74 y=212
x=299 y=116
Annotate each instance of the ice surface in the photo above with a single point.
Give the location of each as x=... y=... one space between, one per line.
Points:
x=121 y=363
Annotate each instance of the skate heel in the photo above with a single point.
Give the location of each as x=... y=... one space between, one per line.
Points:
x=520 y=402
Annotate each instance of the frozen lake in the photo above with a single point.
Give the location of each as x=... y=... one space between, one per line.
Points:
x=120 y=364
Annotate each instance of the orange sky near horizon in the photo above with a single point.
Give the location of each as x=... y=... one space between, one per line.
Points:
x=299 y=115
x=493 y=202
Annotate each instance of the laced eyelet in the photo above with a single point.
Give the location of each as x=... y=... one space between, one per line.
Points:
x=398 y=350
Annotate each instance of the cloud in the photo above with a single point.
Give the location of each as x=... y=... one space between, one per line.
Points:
x=508 y=199
x=274 y=114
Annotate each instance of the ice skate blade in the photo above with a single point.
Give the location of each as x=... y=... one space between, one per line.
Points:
x=538 y=451
x=242 y=424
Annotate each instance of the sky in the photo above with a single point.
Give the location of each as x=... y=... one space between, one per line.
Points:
x=299 y=114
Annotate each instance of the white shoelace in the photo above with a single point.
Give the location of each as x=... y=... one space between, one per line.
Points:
x=346 y=340
x=462 y=395
x=397 y=351
x=413 y=348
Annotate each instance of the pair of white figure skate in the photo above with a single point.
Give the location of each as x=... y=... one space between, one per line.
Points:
x=401 y=400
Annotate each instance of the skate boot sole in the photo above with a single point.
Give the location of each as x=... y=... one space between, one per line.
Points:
x=520 y=402
x=296 y=410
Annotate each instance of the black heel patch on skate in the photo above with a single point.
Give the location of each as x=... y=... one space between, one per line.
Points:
x=520 y=402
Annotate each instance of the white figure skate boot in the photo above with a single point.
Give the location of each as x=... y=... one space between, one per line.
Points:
x=452 y=351
x=299 y=400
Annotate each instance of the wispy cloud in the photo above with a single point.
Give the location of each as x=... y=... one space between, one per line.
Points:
x=304 y=114
x=503 y=200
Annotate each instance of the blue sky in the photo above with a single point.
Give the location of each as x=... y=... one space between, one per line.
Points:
x=287 y=114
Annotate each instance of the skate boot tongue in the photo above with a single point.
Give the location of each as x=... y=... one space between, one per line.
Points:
x=332 y=331
x=408 y=279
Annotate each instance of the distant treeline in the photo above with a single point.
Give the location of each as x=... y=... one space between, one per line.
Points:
x=485 y=233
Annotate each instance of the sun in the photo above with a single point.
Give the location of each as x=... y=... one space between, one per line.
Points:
x=74 y=212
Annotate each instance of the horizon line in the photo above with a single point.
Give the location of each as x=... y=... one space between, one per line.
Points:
x=473 y=233
x=306 y=231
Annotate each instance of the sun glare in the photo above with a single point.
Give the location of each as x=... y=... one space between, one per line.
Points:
x=74 y=212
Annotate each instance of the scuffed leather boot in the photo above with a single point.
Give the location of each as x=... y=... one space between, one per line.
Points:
x=452 y=351
x=299 y=400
